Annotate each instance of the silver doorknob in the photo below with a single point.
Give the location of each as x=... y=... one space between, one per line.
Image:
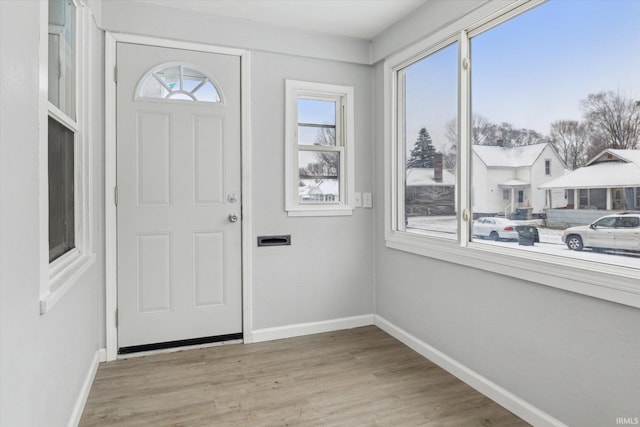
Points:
x=233 y=217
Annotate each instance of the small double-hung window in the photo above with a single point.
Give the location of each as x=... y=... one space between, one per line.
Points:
x=65 y=143
x=63 y=127
x=319 y=149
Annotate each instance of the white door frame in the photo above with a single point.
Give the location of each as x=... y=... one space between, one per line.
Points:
x=111 y=265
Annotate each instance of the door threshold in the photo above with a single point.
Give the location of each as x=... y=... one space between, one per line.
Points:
x=180 y=345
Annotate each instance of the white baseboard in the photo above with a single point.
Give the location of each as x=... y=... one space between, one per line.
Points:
x=300 y=329
x=503 y=397
x=100 y=356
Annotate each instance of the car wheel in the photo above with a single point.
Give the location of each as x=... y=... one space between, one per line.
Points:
x=574 y=242
x=494 y=236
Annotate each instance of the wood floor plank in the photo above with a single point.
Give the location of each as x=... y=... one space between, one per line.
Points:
x=356 y=377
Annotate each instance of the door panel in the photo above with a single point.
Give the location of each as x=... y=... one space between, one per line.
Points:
x=179 y=256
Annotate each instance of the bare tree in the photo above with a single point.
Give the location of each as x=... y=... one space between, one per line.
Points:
x=506 y=135
x=326 y=164
x=571 y=139
x=326 y=136
x=480 y=127
x=614 y=118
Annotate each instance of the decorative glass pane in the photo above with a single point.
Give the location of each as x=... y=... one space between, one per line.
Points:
x=62 y=56
x=319 y=179
x=61 y=190
x=178 y=82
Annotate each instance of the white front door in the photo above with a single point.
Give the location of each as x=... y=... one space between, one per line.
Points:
x=178 y=176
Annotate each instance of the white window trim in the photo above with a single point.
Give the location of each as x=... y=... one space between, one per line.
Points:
x=603 y=281
x=57 y=277
x=294 y=90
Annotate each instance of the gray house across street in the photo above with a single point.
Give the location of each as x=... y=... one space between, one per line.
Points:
x=608 y=182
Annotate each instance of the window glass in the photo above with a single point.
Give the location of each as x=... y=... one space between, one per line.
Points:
x=62 y=56
x=177 y=82
x=318 y=112
x=319 y=176
x=428 y=128
x=606 y=222
x=316 y=122
x=551 y=90
x=61 y=190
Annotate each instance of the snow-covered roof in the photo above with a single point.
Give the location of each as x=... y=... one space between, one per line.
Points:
x=509 y=157
x=599 y=175
x=425 y=176
x=328 y=186
x=632 y=156
x=514 y=183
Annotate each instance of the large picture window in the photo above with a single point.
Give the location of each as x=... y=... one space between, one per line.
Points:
x=535 y=113
x=538 y=121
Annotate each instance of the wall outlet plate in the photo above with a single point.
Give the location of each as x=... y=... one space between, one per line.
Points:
x=367 y=200
x=357 y=199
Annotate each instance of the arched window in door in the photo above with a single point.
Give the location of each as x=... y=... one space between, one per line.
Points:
x=178 y=82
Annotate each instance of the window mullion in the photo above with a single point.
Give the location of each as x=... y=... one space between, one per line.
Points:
x=328 y=148
x=61 y=117
x=399 y=184
x=465 y=216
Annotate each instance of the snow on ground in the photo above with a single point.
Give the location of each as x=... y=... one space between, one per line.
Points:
x=550 y=241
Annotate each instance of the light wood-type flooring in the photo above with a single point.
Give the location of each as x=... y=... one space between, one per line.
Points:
x=356 y=377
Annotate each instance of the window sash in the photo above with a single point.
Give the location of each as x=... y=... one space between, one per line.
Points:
x=402 y=139
x=65 y=113
x=62 y=200
x=337 y=148
x=63 y=36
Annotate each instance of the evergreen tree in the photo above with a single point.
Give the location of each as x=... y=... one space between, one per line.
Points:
x=423 y=151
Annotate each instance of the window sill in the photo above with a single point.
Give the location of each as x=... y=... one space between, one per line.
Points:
x=332 y=210
x=607 y=282
x=63 y=279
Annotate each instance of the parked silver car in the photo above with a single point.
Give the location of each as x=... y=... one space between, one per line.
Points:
x=620 y=231
x=494 y=228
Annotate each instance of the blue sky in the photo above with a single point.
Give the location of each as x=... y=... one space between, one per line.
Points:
x=533 y=69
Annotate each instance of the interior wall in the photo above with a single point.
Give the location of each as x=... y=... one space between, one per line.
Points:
x=327 y=272
x=572 y=356
x=147 y=19
x=44 y=358
x=424 y=21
